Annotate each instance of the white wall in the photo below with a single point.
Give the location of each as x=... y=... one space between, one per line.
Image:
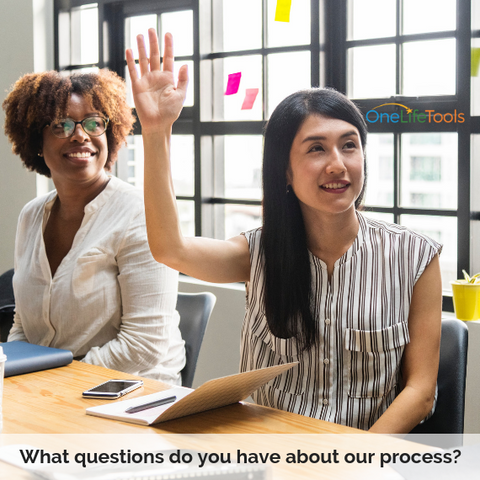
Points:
x=27 y=46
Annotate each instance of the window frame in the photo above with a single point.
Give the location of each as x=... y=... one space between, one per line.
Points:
x=328 y=53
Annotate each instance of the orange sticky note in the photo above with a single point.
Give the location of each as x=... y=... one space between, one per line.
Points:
x=282 y=12
x=475 y=61
x=250 y=96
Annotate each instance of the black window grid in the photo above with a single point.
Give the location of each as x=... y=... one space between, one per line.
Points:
x=328 y=43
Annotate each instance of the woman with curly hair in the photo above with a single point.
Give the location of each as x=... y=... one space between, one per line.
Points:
x=85 y=279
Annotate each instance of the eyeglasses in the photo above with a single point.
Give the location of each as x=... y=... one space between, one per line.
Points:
x=93 y=126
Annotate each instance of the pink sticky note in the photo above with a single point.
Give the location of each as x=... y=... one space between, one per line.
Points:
x=233 y=83
x=250 y=96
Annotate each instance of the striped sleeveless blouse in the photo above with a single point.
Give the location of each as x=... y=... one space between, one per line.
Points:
x=352 y=374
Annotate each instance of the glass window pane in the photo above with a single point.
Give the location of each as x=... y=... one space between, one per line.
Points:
x=475 y=14
x=130 y=161
x=64 y=50
x=444 y=231
x=371 y=71
x=86 y=70
x=186 y=214
x=379 y=170
x=474 y=250
x=429 y=170
x=138 y=25
x=384 y=217
x=229 y=107
x=182 y=161
x=183 y=165
x=180 y=25
x=362 y=24
x=294 y=32
x=475 y=205
x=84 y=34
x=421 y=16
x=429 y=67
x=231 y=22
x=475 y=175
x=280 y=84
x=240 y=218
x=475 y=82
x=243 y=166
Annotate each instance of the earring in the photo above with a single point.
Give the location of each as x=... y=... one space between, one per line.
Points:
x=288 y=189
x=39 y=154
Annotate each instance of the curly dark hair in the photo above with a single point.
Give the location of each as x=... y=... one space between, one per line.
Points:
x=37 y=99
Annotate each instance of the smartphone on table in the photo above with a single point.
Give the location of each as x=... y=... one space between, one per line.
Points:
x=112 y=389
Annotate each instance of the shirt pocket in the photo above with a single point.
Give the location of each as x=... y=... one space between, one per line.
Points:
x=278 y=351
x=86 y=271
x=373 y=359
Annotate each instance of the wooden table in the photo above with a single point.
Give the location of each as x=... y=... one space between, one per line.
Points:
x=51 y=402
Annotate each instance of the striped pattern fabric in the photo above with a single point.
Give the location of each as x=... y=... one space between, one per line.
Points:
x=352 y=374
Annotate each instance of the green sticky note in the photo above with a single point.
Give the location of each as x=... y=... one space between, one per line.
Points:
x=475 y=62
x=282 y=12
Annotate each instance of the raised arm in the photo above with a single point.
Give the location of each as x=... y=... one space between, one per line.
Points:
x=158 y=102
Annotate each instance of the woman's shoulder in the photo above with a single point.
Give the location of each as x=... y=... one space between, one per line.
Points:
x=400 y=232
x=37 y=204
x=125 y=188
x=253 y=235
x=123 y=194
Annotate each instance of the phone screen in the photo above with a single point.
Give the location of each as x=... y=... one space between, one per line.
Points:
x=113 y=386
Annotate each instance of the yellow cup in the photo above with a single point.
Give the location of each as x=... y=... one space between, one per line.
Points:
x=466 y=300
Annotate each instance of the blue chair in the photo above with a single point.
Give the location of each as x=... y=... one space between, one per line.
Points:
x=195 y=310
x=452 y=373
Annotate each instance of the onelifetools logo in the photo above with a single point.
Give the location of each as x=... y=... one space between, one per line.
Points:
x=407 y=115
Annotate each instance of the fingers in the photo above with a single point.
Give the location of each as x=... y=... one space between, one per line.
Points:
x=168 y=53
x=154 y=60
x=131 y=65
x=142 y=55
x=154 y=50
x=183 y=80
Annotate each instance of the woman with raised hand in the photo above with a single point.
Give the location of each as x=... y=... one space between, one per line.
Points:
x=85 y=279
x=356 y=302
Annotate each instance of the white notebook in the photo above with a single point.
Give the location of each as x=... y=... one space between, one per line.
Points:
x=212 y=394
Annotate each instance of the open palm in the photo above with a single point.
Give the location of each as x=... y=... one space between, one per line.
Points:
x=157 y=100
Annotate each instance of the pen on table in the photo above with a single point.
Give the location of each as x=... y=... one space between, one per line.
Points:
x=146 y=406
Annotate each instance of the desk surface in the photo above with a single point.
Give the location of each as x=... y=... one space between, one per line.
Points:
x=51 y=402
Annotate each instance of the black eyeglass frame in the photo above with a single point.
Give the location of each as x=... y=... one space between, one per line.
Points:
x=106 y=120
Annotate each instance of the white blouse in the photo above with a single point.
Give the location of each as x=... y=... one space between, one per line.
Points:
x=352 y=374
x=109 y=301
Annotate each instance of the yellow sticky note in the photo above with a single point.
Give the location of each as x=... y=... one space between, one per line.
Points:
x=282 y=12
x=475 y=62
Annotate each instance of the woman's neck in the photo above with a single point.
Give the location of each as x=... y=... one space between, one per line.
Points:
x=329 y=236
x=73 y=198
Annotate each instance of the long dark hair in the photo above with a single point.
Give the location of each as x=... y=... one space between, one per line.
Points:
x=288 y=291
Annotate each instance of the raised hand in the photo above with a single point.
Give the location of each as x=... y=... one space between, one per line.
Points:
x=157 y=100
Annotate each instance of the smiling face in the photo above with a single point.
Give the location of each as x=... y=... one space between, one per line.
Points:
x=326 y=166
x=79 y=158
